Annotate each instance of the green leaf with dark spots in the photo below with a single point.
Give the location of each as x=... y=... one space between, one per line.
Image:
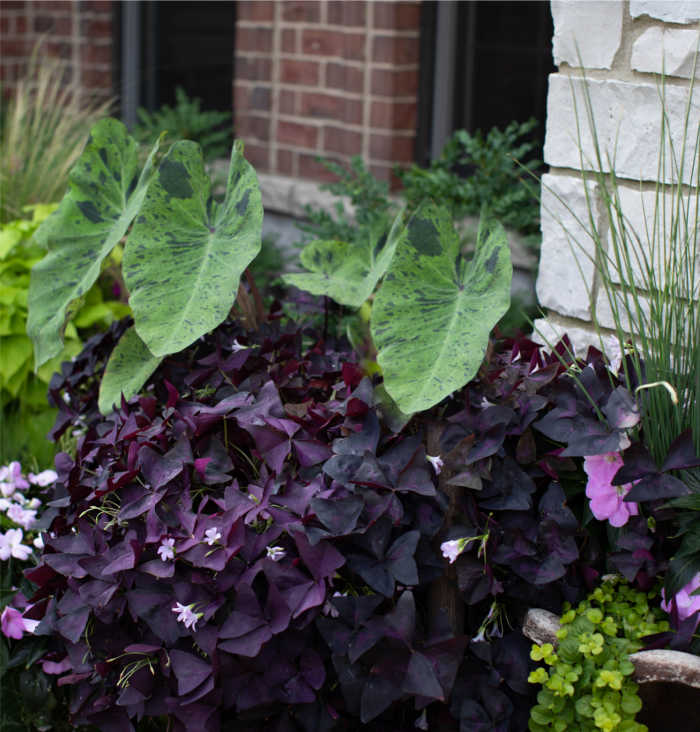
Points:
x=130 y=364
x=432 y=317
x=348 y=272
x=106 y=189
x=186 y=253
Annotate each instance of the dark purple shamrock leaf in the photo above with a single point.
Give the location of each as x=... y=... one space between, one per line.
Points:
x=539 y=571
x=266 y=404
x=342 y=468
x=161 y=469
x=511 y=488
x=190 y=671
x=681 y=453
x=653 y=487
x=397 y=565
x=621 y=410
x=322 y=560
x=365 y=440
x=378 y=694
x=446 y=657
x=402 y=619
x=338 y=515
x=637 y=463
x=297 y=497
x=310 y=452
x=158 y=568
x=72 y=625
x=277 y=612
x=421 y=678
x=219 y=465
x=97 y=593
x=246 y=629
x=145 y=502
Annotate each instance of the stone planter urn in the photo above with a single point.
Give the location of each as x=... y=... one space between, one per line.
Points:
x=669 y=681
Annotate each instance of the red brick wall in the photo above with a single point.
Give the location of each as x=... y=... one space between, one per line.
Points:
x=80 y=33
x=326 y=78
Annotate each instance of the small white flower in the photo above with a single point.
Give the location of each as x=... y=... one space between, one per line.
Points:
x=276 y=553
x=7 y=489
x=166 y=549
x=11 y=545
x=46 y=477
x=38 y=542
x=436 y=462
x=4 y=504
x=213 y=535
x=33 y=504
x=236 y=346
x=187 y=615
x=20 y=516
x=452 y=549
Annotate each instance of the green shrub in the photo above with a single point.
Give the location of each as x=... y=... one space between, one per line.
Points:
x=476 y=171
x=186 y=121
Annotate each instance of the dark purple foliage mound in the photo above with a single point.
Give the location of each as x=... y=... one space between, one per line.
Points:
x=245 y=543
x=247 y=546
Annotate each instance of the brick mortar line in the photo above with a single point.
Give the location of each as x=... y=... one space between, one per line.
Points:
x=349 y=126
x=367 y=81
x=409 y=99
x=319 y=58
x=274 y=111
x=329 y=91
x=75 y=55
x=305 y=25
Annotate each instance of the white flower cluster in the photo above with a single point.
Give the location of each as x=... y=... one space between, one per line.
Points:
x=19 y=508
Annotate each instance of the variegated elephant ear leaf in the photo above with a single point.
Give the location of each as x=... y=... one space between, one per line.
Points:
x=348 y=272
x=106 y=190
x=128 y=368
x=186 y=253
x=432 y=316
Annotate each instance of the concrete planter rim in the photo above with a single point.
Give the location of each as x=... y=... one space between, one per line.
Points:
x=676 y=667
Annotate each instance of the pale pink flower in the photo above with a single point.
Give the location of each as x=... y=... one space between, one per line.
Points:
x=436 y=462
x=606 y=500
x=46 y=477
x=453 y=548
x=11 y=545
x=12 y=475
x=236 y=346
x=685 y=601
x=14 y=625
x=213 y=535
x=276 y=553
x=166 y=549
x=187 y=615
x=22 y=517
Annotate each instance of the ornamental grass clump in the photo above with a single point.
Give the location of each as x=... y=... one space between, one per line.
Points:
x=43 y=129
x=648 y=273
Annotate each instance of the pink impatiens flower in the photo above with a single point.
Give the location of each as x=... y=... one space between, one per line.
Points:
x=607 y=500
x=685 y=601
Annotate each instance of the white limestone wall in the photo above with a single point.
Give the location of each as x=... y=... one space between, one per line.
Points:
x=622 y=46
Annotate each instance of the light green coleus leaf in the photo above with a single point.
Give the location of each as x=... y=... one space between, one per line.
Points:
x=348 y=272
x=186 y=253
x=432 y=317
x=130 y=364
x=105 y=192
